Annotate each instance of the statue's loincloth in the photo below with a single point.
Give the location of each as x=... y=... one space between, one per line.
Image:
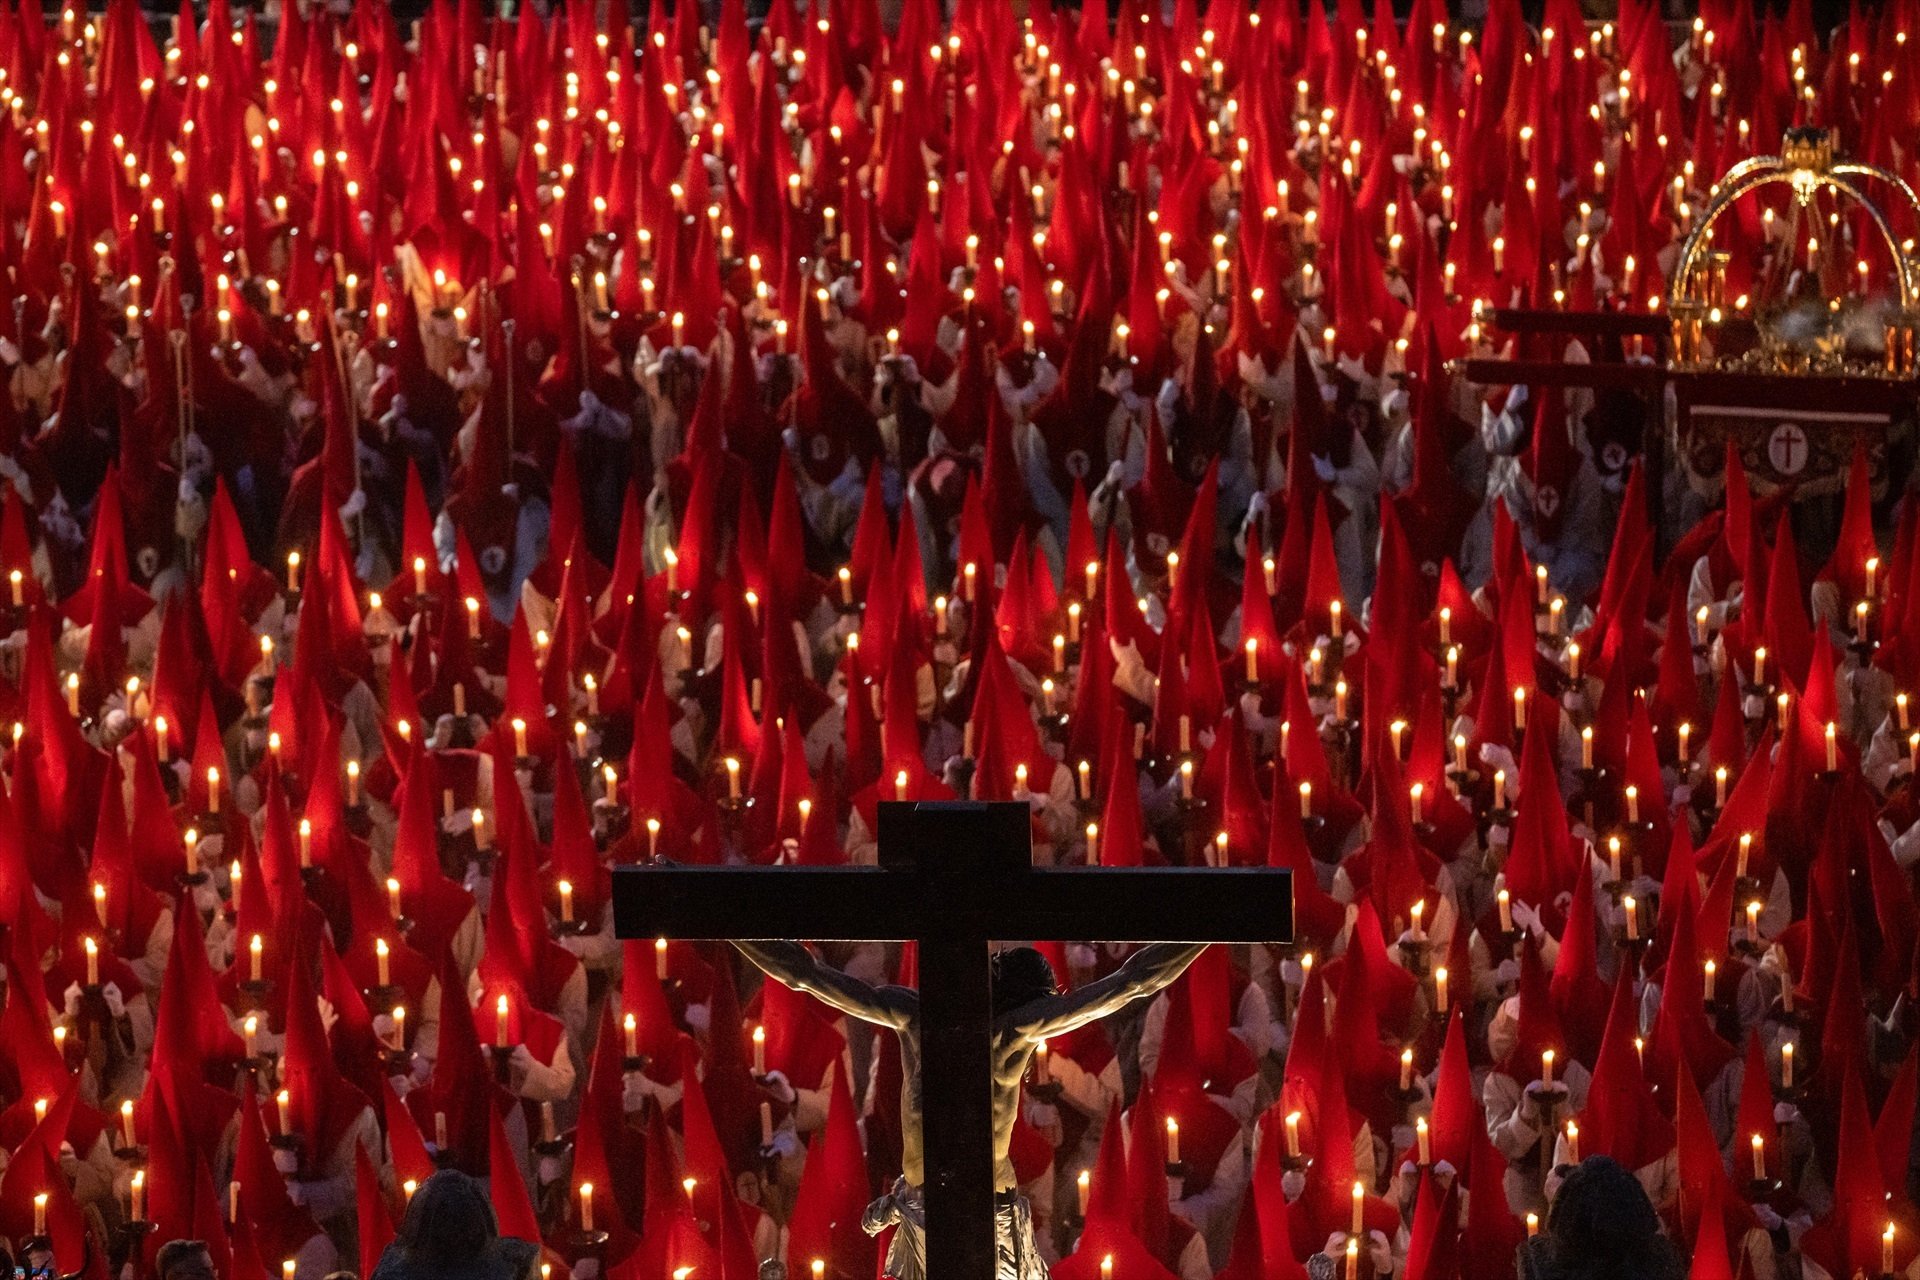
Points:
x=1015 y=1257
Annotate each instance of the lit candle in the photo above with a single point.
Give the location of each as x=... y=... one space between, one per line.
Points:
x=501 y=1017
x=381 y=958
x=1759 y=1158
x=1173 y=1141
x=1460 y=753
x=1406 y=1069
x=1425 y=1140
x=1520 y=709
x=1533 y=1225
x=1586 y=741
x=1106 y=1267
x=1709 y=970
x=283 y=1104
x=1573 y=1142
x=1353 y=1255
x=255 y=947
x=1786 y=1065
x=1573 y=660
x=586 y=1206
x=1093 y=844
x=1359 y=1207
x=1084 y=1185
x=1253 y=660
x=1546 y=1068
x=1293 y=1135
x=1306 y=800
x=1833 y=750
x=40 y=1214
x=1753 y=921
x=126 y=1125
x=137 y=1195
x=1684 y=732
x=1745 y=851
x=1720 y=787
x=293 y=572
x=1632 y=909
x=213 y=788
x=399 y=1026
x=1886 y=1251
x=393 y=897
x=1499 y=789
x=1613 y=857
x=1418 y=913
x=1440 y=988
x=1760 y=665
x=660 y=959
x=566 y=901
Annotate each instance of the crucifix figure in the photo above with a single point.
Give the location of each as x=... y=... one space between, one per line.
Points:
x=954 y=876
x=1027 y=1011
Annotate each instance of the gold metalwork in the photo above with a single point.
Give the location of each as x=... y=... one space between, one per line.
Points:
x=1806 y=163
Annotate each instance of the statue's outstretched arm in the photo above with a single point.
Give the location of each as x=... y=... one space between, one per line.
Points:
x=1145 y=973
x=794 y=966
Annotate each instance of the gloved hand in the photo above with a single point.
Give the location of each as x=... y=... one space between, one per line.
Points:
x=519 y=1063
x=115 y=1004
x=287 y=1161
x=1323 y=468
x=778 y=1087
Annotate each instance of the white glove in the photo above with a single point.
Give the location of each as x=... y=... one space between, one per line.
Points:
x=70 y=999
x=115 y=1004
x=1323 y=468
x=287 y=1161
x=698 y=1016
x=777 y=1085
x=1292 y=1183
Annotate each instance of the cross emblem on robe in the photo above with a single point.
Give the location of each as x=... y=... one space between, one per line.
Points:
x=954 y=876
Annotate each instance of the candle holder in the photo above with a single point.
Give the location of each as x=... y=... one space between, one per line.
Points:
x=133 y=1155
x=1762 y=1190
x=254 y=993
x=502 y=1056
x=284 y=1142
x=1296 y=1164
x=588 y=1242
x=1418 y=954
x=575 y=928
x=553 y=1148
x=131 y=1234
x=359 y=820
x=1463 y=780
x=396 y=1059
x=633 y=1062
x=1176 y=1168
x=191 y=879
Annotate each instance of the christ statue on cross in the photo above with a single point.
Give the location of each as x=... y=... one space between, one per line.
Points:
x=1028 y=1009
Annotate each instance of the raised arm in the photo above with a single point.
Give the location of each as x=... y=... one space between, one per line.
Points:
x=792 y=965
x=1145 y=972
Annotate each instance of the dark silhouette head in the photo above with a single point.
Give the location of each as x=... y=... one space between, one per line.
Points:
x=1603 y=1224
x=1021 y=975
x=184 y=1260
x=449 y=1219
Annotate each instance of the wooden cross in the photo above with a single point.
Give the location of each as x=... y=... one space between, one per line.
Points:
x=953 y=876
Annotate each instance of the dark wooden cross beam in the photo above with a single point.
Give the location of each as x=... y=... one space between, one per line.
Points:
x=954 y=876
